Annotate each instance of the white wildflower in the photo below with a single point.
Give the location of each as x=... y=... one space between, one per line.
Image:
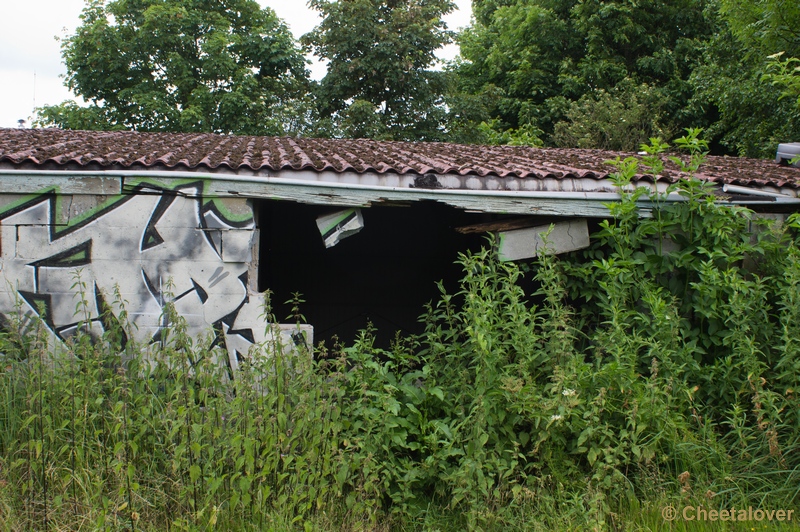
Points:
x=568 y=392
x=556 y=417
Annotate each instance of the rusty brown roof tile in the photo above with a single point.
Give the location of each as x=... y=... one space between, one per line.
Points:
x=121 y=150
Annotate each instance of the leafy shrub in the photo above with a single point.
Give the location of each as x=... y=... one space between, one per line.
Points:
x=619 y=119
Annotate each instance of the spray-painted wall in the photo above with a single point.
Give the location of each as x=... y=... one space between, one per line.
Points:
x=155 y=243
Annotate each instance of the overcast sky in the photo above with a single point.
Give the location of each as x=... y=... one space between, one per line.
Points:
x=30 y=55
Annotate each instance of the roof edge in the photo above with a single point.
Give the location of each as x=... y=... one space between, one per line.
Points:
x=429 y=185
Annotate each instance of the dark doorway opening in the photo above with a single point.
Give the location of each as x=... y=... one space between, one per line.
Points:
x=383 y=275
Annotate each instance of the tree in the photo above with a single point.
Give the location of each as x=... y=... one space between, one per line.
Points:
x=514 y=51
x=379 y=52
x=224 y=66
x=770 y=26
x=543 y=55
x=738 y=82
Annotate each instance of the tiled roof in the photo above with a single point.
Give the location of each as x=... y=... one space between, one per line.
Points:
x=48 y=148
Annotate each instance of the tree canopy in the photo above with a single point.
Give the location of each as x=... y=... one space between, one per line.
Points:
x=748 y=114
x=223 y=66
x=380 y=53
x=547 y=56
x=580 y=73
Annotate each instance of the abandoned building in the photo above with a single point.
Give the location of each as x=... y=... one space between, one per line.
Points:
x=362 y=230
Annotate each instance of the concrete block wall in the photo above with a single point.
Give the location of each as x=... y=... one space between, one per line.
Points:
x=152 y=245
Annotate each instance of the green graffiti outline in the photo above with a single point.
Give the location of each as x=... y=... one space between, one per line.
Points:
x=28 y=198
x=336 y=221
x=219 y=206
x=62 y=217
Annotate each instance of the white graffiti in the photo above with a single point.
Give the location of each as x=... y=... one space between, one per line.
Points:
x=153 y=247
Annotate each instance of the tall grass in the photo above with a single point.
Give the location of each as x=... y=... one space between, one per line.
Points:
x=98 y=435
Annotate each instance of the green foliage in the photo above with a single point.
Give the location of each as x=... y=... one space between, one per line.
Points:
x=361 y=120
x=526 y=135
x=180 y=65
x=588 y=73
x=70 y=115
x=765 y=26
x=737 y=87
x=517 y=50
x=642 y=39
x=381 y=53
x=600 y=74
x=785 y=73
x=113 y=434
x=542 y=53
x=620 y=119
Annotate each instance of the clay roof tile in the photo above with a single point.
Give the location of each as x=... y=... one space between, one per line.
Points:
x=203 y=150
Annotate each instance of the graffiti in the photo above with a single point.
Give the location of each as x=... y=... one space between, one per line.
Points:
x=152 y=246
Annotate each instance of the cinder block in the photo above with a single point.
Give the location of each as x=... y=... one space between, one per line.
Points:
x=236 y=245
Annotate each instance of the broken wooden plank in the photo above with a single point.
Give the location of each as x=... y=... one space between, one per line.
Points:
x=508 y=203
x=503 y=225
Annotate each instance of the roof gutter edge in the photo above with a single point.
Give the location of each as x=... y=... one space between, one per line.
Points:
x=269 y=180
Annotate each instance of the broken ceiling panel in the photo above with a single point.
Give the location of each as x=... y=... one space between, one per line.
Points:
x=555 y=238
x=339 y=225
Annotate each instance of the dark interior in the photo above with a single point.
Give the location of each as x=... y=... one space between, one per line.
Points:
x=383 y=275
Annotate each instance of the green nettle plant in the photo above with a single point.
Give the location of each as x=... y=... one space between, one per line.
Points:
x=658 y=367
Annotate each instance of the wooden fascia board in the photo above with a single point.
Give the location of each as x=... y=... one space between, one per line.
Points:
x=554 y=198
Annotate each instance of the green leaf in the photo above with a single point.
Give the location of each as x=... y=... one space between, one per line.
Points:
x=194 y=472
